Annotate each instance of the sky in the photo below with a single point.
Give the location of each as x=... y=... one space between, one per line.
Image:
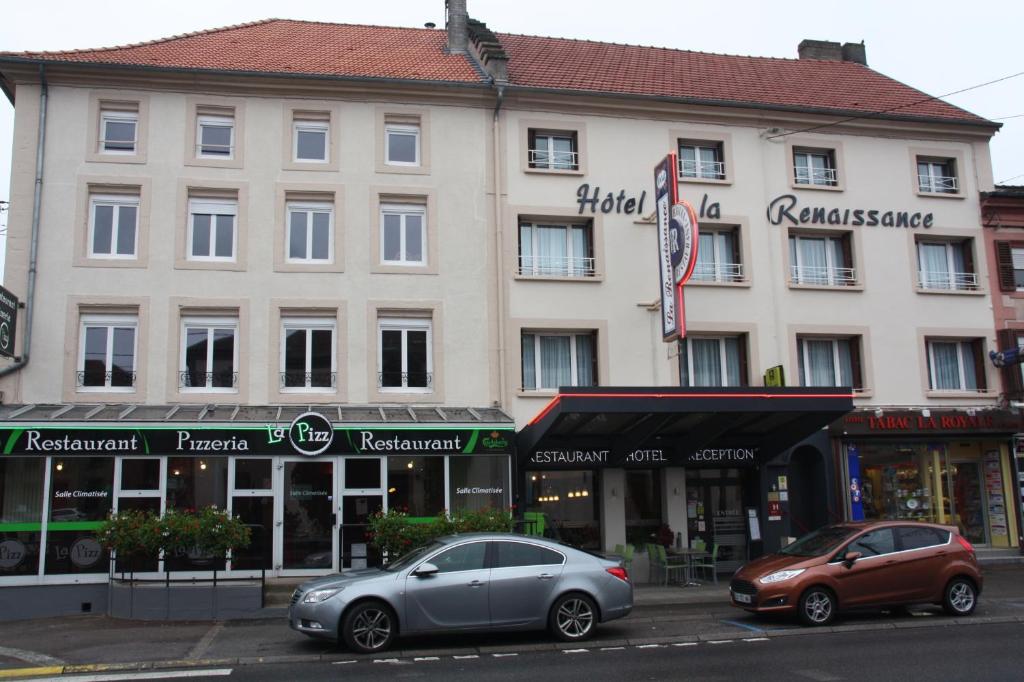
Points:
x=939 y=47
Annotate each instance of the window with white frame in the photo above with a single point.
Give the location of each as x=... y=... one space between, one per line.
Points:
x=308 y=354
x=815 y=167
x=402 y=144
x=310 y=232
x=403 y=234
x=556 y=250
x=405 y=354
x=1017 y=256
x=213 y=229
x=956 y=365
x=553 y=149
x=829 y=361
x=823 y=260
x=209 y=354
x=310 y=140
x=552 y=359
x=119 y=131
x=107 y=353
x=701 y=159
x=937 y=176
x=215 y=135
x=718 y=255
x=946 y=265
x=113 y=225
x=712 y=361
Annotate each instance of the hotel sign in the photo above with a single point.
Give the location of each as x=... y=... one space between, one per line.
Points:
x=665 y=196
x=8 y=322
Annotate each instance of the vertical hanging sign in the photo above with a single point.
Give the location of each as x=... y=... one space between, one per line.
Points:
x=665 y=197
x=8 y=322
x=682 y=237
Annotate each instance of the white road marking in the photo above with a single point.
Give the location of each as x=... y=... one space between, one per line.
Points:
x=818 y=675
x=648 y=646
x=161 y=675
x=343 y=662
x=575 y=651
x=684 y=644
x=720 y=641
x=30 y=656
x=756 y=639
x=386 y=660
x=426 y=658
x=613 y=648
x=503 y=655
x=203 y=645
x=462 y=658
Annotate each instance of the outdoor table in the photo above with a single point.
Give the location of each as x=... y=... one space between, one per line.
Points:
x=688 y=554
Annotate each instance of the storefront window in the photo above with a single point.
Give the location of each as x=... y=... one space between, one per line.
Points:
x=140 y=474
x=194 y=483
x=253 y=474
x=899 y=481
x=478 y=483
x=362 y=473
x=568 y=504
x=416 y=485
x=81 y=495
x=643 y=506
x=21 y=511
x=258 y=515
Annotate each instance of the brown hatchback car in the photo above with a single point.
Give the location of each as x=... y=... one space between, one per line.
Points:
x=861 y=565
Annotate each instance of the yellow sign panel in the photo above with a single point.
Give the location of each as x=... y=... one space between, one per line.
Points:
x=774 y=376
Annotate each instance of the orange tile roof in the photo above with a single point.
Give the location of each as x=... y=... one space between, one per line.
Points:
x=282 y=46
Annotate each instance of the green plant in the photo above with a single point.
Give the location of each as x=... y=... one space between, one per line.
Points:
x=395 y=533
x=209 y=532
x=131 y=534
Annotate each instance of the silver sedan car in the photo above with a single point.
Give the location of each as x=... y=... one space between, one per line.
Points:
x=471 y=582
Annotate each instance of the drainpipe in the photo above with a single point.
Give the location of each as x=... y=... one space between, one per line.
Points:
x=499 y=243
x=22 y=360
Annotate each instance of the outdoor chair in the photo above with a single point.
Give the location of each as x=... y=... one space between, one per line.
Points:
x=709 y=563
x=667 y=567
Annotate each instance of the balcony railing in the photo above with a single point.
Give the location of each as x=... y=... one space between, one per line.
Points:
x=692 y=168
x=557 y=160
x=718 y=272
x=223 y=379
x=815 y=176
x=99 y=379
x=550 y=266
x=942 y=184
x=314 y=379
x=949 y=281
x=822 y=275
x=405 y=379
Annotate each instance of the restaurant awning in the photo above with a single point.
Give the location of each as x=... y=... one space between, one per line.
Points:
x=664 y=426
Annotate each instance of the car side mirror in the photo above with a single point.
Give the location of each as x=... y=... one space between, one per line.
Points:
x=424 y=570
x=850 y=557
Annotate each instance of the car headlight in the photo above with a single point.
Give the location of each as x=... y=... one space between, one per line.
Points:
x=779 y=576
x=317 y=596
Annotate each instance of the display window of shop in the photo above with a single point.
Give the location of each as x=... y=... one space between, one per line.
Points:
x=476 y=483
x=643 y=507
x=194 y=483
x=416 y=485
x=565 y=505
x=81 y=496
x=21 y=513
x=138 y=489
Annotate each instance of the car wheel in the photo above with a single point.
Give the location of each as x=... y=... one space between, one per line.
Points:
x=369 y=627
x=817 y=607
x=960 y=597
x=573 y=617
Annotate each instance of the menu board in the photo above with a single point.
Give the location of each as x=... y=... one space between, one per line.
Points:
x=994 y=493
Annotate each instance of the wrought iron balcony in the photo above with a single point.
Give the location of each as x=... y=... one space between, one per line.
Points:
x=99 y=379
x=405 y=379
x=222 y=379
x=314 y=379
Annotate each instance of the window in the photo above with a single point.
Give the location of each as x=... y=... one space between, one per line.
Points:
x=554 y=359
x=113 y=225
x=215 y=136
x=310 y=140
x=556 y=250
x=956 y=365
x=821 y=260
x=713 y=361
x=946 y=265
x=209 y=355
x=81 y=495
x=107 y=346
x=403 y=234
x=553 y=150
x=642 y=502
x=829 y=362
x=468 y=557
x=212 y=230
x=21 y=511
x=937 y=176
x=718 y=256
x=913 y=537
x=405 y=355
x=513 y=554
x=118 y=131
x=701 y=159
x=478 y=483
x=815 y=167
x=1010 y=265
x=1018 y=268
x=416 y=484
x=308 y=354
x=873 y=543
x=402 y=144
x=310 y=233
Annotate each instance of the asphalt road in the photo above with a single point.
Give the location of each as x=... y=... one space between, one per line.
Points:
x=975 y=653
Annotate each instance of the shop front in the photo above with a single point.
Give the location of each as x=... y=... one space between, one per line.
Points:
x=953 y=467
x=305 y=484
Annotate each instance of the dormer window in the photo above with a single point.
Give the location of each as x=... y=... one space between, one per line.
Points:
x=553 y=150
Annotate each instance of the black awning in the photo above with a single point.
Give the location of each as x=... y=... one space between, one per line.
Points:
x=652 y=426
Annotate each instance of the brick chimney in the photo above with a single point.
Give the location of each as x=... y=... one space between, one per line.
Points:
x=833 y=52
x=457 y=17
x=855 y=52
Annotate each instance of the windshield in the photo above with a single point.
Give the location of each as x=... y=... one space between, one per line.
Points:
x=819 y=542
x=412 y=557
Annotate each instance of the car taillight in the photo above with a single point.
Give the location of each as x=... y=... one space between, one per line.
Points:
x=620 y=573
x=965 y=544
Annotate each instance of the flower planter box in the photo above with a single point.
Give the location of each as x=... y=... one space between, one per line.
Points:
x=184 y=599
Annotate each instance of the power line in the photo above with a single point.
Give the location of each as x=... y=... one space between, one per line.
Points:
x=1003 y=118
x=1001 y=182
x=871 y=114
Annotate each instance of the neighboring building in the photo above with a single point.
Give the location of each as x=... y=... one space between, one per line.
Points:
x=415 y=234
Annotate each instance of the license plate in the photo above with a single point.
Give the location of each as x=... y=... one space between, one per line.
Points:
x=742 y=598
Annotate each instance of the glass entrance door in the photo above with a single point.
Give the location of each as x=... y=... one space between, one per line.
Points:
x=362 y=496
x=307 y=526
x=968 y=500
